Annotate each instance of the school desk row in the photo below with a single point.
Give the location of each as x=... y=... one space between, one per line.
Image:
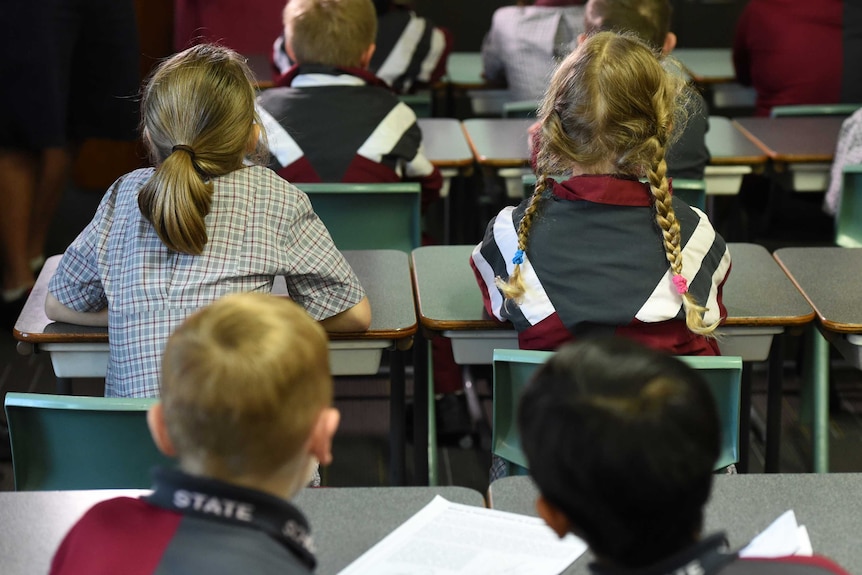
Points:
x=803 y=145
x=346 y=522
x=434 y=294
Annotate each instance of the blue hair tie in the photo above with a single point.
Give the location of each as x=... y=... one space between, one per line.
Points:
x=519 y=257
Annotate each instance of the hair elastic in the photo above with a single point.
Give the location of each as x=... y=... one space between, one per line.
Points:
x=681 y=284
x=519 y=257
x=184 y=148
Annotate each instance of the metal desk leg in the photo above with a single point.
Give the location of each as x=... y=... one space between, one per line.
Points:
x=421 y=391
x=744 y=417
x=774 y=398
x=396 y=417
x=64 y=386
x=819 y=379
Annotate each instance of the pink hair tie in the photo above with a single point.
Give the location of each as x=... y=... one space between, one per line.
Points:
x=681 y=284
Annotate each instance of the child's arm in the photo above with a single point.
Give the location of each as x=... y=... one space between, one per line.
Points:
x=58 y=312
x=356 y=318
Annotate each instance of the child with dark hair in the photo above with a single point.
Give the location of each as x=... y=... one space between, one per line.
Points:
x=622 y=441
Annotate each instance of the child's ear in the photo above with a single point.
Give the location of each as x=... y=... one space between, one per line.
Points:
x=669 y=44
x=253 y=139
x=555 y=518
x=365 y=62
x=320 y=442
x=159 y=431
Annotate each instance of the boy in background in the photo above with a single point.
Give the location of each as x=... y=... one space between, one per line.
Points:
x=246 y=409
x=650 y=20
x=329 y=119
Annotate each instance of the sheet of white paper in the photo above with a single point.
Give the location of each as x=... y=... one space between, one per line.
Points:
x=447 y=538
x=782 y=538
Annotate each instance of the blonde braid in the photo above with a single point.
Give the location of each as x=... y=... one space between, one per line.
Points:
x=669 y=225
x=514 y=288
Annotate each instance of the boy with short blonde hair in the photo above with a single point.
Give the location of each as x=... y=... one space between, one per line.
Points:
x=246 y=408
x=331 y=120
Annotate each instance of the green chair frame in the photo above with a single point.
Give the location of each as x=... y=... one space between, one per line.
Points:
x=520 y=109
x=421 y=103
x=513 y=368
x=369 y=216
x=692 y=192
x=848 y=220
x=814 y=110
x=70 y=442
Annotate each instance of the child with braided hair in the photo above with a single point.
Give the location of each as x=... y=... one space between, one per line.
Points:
x=602 y=252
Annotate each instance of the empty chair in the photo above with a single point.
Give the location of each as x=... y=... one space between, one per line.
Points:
x=513 y=368
x=848 y=219
x=68 y=442
x=369 y=216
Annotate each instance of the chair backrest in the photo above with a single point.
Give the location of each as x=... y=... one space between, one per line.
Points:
x=848 y=220
x=814 y=110
x=421 y=103
x=513 y=368
x=369 y=216
x=68 y=442
x=692 y=192
x=520 y=109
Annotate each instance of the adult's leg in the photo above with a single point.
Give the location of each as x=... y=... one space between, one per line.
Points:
x=54 y=173
x=17 y=189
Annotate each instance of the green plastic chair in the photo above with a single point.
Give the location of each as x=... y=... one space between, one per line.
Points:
x=692 y=192
x=814 y=110
x=69 y=442
x=513 y=368
x=848 y=220
x=520 y=109
x=369 y=216
x=420 y=103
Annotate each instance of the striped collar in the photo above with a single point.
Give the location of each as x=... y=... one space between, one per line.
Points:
x=315 y=76
x=606 y=189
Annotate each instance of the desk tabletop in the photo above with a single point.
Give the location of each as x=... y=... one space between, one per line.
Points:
x=794 y=139
x=345 y=522
x=828 y=277
x=444 y=142
x=707 y=65
x=464 y=69
x=385 y=275
x=757 y=293
x=499 y=142
x=729 y=146
x=743 y=505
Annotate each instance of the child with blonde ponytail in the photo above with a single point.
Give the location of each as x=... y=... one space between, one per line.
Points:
x=206 y=221
x=609 y=250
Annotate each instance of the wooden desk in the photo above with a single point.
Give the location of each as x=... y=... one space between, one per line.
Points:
x=444 y=143
x=803 y=146
x=732 y=155
x=707 y=65
x=760 y=303
x=744 y=505
x=78 y=351
x=345 y=522
x=829 y=279
x=504 y=143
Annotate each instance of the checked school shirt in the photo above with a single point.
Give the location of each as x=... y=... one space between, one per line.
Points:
x=595 y=266
x=189 y=524
x=259 y=226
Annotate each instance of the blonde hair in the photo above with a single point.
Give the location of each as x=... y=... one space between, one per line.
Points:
x=243 y=382
x=198 y=119
x=612 y=106
x=330 y=32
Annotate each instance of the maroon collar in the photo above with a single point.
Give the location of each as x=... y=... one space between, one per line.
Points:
x=287 y=78
x=604 y=189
